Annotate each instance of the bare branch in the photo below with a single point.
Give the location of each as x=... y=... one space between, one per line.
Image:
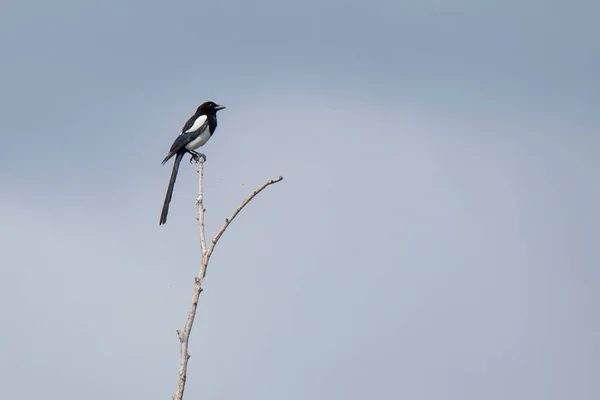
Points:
x=200 y=206
x=184 y=336
x=235 y=213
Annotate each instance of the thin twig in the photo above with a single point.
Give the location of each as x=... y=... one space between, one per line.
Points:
x=235 y=213
x=184 y=336
x=200 y=206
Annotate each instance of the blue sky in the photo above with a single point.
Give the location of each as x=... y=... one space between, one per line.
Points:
x=434 y=237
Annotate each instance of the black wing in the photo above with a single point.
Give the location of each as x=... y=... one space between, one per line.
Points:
x=185 y=137
x=190 y=122
x=178 y=145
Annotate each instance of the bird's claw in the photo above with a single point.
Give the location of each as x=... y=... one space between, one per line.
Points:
x=195 y=158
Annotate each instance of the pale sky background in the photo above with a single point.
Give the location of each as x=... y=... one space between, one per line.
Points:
x=435 y=236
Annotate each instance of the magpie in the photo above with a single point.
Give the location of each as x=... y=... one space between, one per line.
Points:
x=195 y=133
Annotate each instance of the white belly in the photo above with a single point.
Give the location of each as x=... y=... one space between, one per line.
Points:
x=199 y=141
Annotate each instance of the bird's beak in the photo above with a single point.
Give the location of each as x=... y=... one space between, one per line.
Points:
x=217 y=108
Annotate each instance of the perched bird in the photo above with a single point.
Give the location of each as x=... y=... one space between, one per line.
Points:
x=195 y=133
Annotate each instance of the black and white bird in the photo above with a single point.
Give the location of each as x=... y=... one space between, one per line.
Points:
x=195 y=133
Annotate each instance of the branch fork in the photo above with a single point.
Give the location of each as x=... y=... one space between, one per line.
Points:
x=206 y=253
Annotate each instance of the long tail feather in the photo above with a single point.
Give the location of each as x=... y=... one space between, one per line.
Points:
x=165 y=209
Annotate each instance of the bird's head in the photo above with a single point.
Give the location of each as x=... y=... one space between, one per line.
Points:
x=210 y=106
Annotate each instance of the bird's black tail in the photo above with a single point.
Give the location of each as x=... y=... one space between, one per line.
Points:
x=165 y=209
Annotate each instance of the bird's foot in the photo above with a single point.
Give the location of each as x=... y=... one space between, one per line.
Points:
x=195 y=158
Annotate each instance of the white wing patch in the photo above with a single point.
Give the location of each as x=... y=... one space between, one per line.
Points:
x=197 y=124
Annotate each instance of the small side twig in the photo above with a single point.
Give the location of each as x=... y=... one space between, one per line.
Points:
x=209 y=252
x=184 y=336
